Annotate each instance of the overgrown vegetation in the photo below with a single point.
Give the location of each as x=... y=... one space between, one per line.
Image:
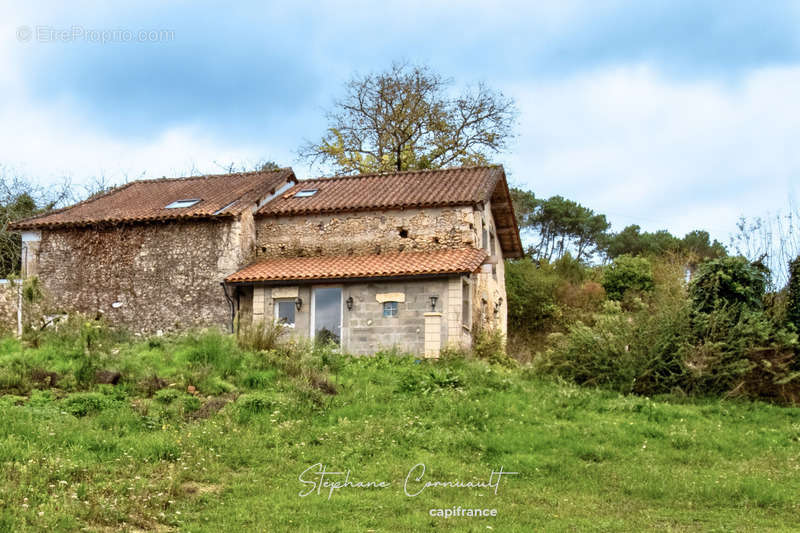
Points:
x=101 y=431
x=651 y=332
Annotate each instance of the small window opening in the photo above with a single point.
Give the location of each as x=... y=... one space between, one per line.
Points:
x=178 y=204
x=403 y=233
x=305 y=193
x=389 y=309
x=284 y=312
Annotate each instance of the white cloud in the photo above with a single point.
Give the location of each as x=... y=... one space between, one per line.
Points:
x=665 y=154
x=48 y=142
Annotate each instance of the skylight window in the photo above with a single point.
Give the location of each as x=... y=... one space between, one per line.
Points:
x=177 y=204
x=305 y=193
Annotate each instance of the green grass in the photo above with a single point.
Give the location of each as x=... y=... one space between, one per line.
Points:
x=132 y=457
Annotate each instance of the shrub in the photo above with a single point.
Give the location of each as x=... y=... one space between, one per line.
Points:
x=84 y=403
x=261 y=336
x=730 y=282
x=628 y=352
x=167 y=396
x=489 y=345
x=741 y=352
x=627 y=273
x=530 y=289
x=253 y=403
x=793 y=296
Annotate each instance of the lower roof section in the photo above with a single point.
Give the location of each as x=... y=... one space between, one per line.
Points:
x=435 y=262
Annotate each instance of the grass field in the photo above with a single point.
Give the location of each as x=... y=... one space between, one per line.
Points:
x=135 y=456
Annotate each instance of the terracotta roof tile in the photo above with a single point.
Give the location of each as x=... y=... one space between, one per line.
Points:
x=146 y=200
x=407 y=190
x=398 y=190
x=461 y=260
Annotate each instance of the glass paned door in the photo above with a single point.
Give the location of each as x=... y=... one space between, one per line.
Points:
x=328 y=314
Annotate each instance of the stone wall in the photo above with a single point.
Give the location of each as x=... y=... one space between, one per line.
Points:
x=489 y=301
x=9 y=299
x=148 y=277
x=366 y=233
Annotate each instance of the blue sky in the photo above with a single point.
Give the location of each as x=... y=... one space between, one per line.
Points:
x=675 y=115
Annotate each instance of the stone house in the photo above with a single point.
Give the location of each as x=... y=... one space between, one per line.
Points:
x=412 y=260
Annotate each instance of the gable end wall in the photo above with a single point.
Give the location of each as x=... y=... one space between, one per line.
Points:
x=165 y=276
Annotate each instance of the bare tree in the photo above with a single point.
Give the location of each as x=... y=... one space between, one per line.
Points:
x=19 y=199
x=404 y=119
x=773 y=240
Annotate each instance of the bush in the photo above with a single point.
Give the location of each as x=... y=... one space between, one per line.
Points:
x=489 y=345
x=742 y=353
x=793 y=296
x=84 y=403
x=731 y=282
x=167 y=396
x=261 y=336
x=627 y=273
x=255 y=403
x=530 y=289
x=627 y=352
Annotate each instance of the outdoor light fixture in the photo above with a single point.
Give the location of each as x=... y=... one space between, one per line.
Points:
x=298 y=303
x=433 y=302
x=497 y=305
x=349 y=303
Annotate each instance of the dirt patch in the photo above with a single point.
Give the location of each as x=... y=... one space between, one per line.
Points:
x=322 y=383
x=209 y=408
x=193 y=488
x=153 y=384
x=43 y=379
x=107 y=377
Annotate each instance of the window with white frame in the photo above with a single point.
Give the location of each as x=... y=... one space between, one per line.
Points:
x=389 y=309
x=180 y=204
x=284 y=312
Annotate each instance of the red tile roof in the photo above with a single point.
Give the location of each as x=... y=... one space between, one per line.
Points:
x=460 y=260
x=394 y=190
x=407 y=190
x=146 y=200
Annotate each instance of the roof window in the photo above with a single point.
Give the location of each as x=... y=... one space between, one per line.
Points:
x=305 y=193
x=177 y=204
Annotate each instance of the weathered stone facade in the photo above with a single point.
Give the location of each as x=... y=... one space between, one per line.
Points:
x=364 y=329
x=135 y=257
x=366 y=232
x=150 y=277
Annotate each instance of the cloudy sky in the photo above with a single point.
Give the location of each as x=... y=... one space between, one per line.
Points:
x=669 y=114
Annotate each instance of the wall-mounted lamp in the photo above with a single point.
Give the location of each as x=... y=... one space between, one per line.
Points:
x=298 y=303
x=434 y=299
x=349 y=303
x=497 y=306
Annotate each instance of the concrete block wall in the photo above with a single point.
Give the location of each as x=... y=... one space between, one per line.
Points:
x=416 y=328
